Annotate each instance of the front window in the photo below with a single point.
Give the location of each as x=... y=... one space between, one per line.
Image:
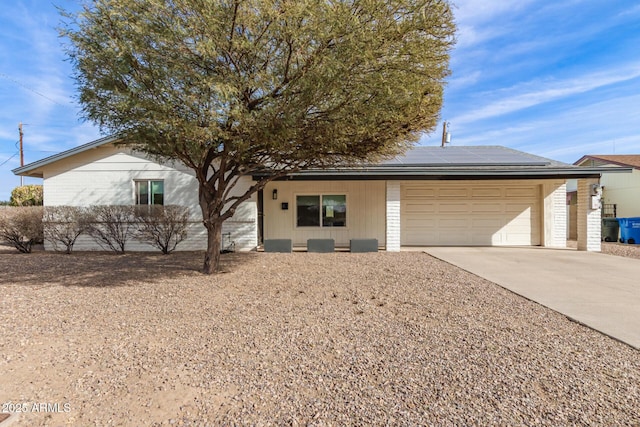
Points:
x=321 y=211
x=149 y=192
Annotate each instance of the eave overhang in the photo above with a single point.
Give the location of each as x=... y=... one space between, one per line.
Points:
x=417 y=173
x=34 y=169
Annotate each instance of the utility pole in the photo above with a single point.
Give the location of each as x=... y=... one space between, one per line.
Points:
x=21 y=153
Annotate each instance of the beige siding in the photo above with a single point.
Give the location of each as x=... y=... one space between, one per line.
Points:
x=365 y=211
x=106 y=175
x=623 y=190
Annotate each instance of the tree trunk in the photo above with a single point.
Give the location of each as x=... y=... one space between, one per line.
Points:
x=214 y=239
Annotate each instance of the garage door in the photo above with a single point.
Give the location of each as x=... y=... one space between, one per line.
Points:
x=450 y=214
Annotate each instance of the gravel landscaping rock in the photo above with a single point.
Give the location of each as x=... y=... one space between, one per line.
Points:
x=621 y=249
x=295 y=339
x=613 y=248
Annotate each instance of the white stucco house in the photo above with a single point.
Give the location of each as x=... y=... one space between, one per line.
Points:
x=430 y=196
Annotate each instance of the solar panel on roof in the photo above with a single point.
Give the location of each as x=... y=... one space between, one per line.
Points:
x=466 y=156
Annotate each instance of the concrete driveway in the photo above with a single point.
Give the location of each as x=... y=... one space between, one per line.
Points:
x=600 y=291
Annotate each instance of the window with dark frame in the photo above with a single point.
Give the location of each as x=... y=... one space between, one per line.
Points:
x=149 y=192
x=327 y=210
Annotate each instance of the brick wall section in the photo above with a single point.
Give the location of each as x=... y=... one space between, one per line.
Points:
x=588 y=219
x=557 y=203
x=393 y=216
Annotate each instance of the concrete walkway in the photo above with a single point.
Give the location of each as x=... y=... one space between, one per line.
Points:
x=601 y=291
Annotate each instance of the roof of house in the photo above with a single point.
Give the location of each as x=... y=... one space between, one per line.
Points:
x=456 y=162
x=454 y=156
x=630 y=160
x=451 y=162
x=27 y=170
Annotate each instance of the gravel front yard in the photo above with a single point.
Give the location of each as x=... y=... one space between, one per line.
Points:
x=317 y=339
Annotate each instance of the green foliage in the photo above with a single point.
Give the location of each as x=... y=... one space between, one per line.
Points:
x=233 y=87
x=21 y=227
x=26 y=195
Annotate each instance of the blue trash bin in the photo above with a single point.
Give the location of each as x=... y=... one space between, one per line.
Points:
x=629 y=230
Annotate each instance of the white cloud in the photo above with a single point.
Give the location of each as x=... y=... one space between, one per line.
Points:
x=548 y=91
x=464 y=80
x=480 y=20
x=481 y=11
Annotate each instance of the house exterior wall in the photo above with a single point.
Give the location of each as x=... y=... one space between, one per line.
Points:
x=105 y=176
x=623 y=190
x=374 y=209
x=588 y=218
x=365 y=211
x=554 y=194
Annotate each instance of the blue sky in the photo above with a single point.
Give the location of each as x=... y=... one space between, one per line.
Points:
x=558 y=79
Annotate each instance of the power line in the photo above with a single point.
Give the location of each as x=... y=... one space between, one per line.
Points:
x=3 y=75
x=14 y=154
x=3 y=163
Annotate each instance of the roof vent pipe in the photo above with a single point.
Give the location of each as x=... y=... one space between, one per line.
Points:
x=446 y=135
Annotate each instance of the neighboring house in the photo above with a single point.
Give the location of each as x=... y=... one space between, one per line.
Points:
x=621 y=190
x=479 y=196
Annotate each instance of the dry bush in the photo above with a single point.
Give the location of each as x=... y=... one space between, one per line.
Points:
x=163 y=227
x=111 y=226
x=63 y=225
x=22 y=227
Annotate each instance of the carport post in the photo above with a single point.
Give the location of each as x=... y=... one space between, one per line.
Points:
x=588 y=216
x=393 y=216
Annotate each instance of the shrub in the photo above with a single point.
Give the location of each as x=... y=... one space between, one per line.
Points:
x=162 y=226
x=22 y=227
x=27 y=195
x=110 y=226
x=63 y=225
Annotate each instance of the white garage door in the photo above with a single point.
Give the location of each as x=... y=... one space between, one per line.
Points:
x=470 y=214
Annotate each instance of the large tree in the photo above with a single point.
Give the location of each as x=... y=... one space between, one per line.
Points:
x=229 y=87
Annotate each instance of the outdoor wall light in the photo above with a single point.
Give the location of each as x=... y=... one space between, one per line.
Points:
x=274 y=195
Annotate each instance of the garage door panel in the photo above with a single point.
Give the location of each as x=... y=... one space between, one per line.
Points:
x=520 y=220
x=479 y=239
x=454 y=237
x=482 y=223
x=520 y=192
x=454 y=223
x=487 y=208
x=453 y=207
x=491 y=193
x=518 y=239
x=426 y=223
x=420 y=207
x=516 y=208
x=418 y=239
x=419 y=193
x=470 y=215
x=453 y=193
